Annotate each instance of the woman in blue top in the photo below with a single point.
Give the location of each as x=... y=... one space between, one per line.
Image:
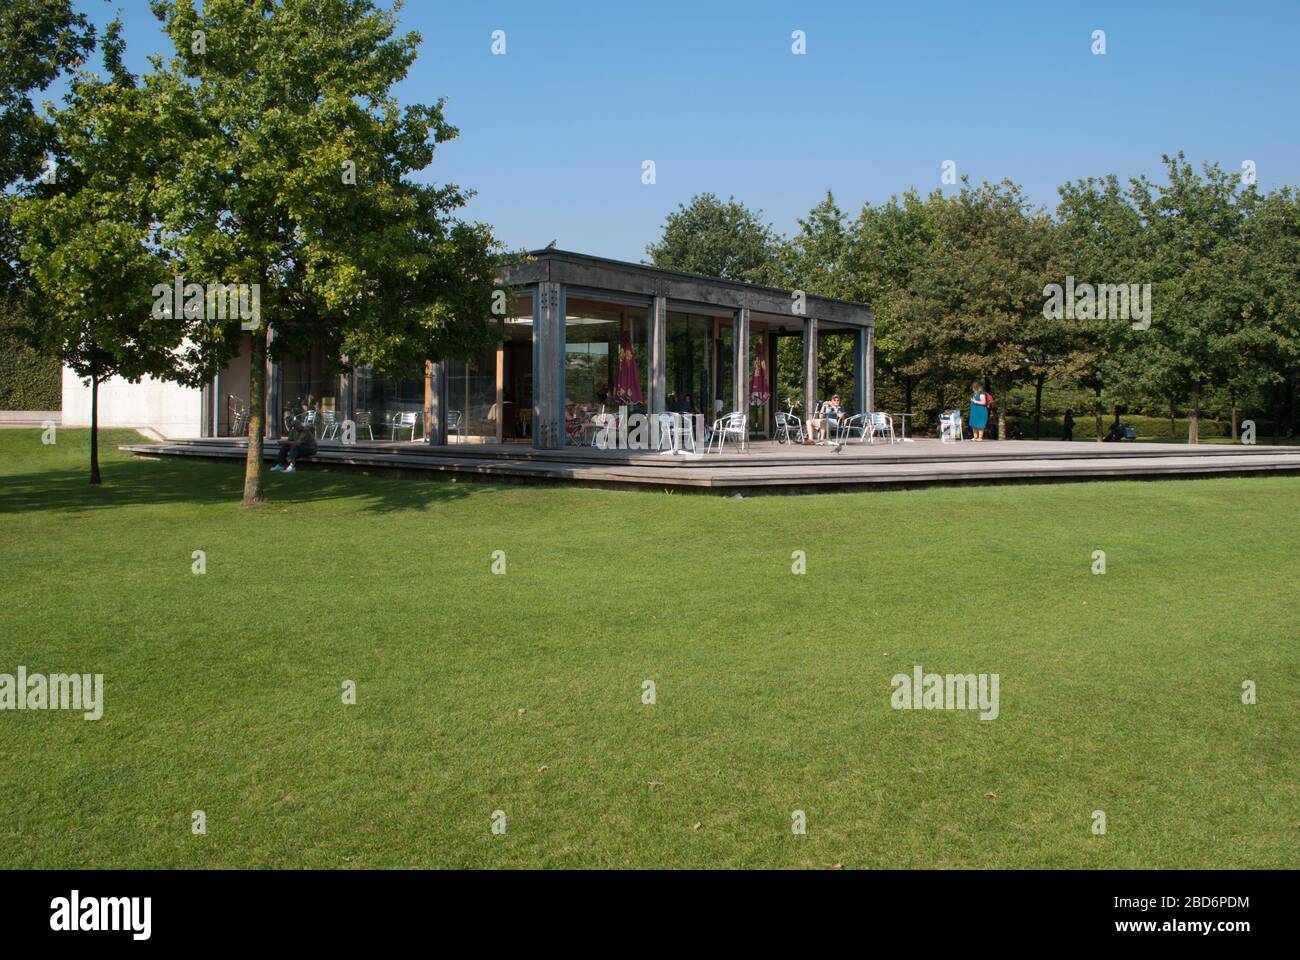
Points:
x=979 y=410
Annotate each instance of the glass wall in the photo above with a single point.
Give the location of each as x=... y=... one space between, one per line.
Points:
x=724 y=391
x=517 y=373
x=687 y=374
x=380 y=402
x=593 y=334
x=759 y=364
x=472 y=398
x=308 y=385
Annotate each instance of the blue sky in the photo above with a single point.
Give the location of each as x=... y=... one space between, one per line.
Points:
x=553 y=133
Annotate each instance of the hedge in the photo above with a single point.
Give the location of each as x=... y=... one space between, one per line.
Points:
x=28 y=381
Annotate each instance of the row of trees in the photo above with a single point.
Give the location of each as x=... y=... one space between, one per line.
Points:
x=1146 y=295
x=269 y=150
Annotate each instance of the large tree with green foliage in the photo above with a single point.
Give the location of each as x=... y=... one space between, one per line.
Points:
x=1273 y=245
x=88 y=241
x=718 y=238
x=39 y=39
x=294 y=160
x=1194 y=252
x=977 y=303
x=887 y=244
x=1099 y=237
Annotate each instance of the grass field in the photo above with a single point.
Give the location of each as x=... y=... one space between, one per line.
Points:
x=522 y=692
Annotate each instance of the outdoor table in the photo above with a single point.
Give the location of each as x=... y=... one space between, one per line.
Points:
x=903 y=417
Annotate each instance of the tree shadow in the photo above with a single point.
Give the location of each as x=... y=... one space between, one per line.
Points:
x=142 y=481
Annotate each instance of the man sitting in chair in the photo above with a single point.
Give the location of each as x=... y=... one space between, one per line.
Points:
x=828 y=423
x=302 y=443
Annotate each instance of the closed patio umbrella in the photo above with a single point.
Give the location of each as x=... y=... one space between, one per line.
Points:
x=627 y=383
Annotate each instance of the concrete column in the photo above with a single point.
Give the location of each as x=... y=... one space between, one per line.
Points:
x=548 y=366
x=658 y=355
x=438 y=405
x=860 y=370
x=870 y=377
x=810 y=368
x=740 y=368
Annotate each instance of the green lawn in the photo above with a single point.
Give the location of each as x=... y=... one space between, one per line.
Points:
x=1119 y=693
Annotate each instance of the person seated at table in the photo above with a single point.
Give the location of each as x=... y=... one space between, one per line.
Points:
x=828 y=420
x=301 y=443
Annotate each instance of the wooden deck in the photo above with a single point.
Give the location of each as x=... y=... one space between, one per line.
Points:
x=772 y=467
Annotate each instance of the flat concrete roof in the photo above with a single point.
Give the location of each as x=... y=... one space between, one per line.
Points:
x=580 y=270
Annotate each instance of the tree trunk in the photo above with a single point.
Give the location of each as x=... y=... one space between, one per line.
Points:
x=1002 y=406
x=907 y=395
x=94 y=428
x=1194 y=416
x=1038 y=406
x=1277 y=413
x=1234 y=421
x=1097 y=409
x=253 y=492
x=1173 y=424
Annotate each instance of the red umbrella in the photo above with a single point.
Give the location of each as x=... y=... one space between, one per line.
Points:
x=758 y=388
x=627 y=383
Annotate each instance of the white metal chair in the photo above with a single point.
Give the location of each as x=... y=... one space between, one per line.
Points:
x=453 y=423
x=669 y=426
x=789 y=428
x=685 y=432
x=880 y=424
x=735 y=425
x=329 y=425
x=407 y=420
x=362 y=419
x=858 y=422
x=950 y=427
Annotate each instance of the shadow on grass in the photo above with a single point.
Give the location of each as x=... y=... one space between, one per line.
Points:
x=137 y=482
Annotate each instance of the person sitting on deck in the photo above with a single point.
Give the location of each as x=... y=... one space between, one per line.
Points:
x=301 y=444
x=831 y=413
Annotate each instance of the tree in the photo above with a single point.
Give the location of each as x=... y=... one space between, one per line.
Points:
x=294 y=159
x=1194 y=253
x=978 y=302
x=87 y=239
x=718 y=238
x=815 y=260
x=887 y=244
x=1273 y=240
x=39 y=39
x=1098 y=240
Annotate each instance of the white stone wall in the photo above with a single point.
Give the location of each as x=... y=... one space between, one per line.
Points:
x=172 y=410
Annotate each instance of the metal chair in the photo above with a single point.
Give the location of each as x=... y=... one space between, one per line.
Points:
x=735 y=425
x=329 y=425
x=789 y=428
x=362 y=419
x=406 y=420
x=237 y=413
x=668 y=429
x=950 y=427
x=881 y=424
x=453 y=423
x=856 y=422
x=604 y=425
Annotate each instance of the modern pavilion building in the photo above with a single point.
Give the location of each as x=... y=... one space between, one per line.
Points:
x=695 y=342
